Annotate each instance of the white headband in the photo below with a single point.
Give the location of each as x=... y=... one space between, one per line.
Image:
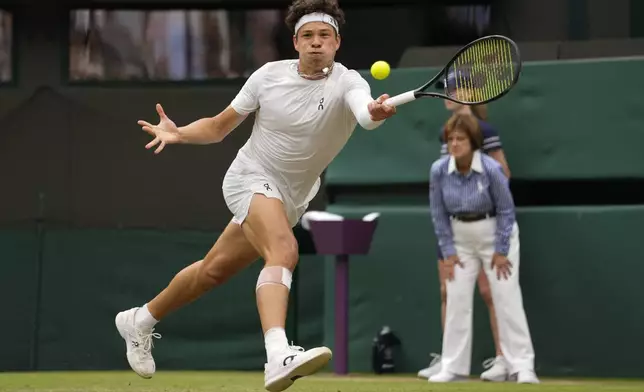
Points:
x=317 y=17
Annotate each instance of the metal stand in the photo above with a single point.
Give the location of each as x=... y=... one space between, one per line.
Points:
x=341 y=239
x=341 y=354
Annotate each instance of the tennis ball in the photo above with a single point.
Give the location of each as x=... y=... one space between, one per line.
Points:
x=380 y=70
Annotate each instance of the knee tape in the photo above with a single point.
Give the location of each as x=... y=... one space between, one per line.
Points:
x=274 y=275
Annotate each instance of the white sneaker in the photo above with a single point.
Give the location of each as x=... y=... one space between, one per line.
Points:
x=433 y=368
x=527 y=377
x=497 y=370
x=138 y=343
x=281 y=371
x=445 y=376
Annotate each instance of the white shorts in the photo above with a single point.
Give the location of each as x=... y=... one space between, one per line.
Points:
x=241 y=184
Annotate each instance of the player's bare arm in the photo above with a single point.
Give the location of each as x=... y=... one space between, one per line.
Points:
x=203 y=131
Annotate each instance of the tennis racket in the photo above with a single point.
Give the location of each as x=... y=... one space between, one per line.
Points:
x=480 y=72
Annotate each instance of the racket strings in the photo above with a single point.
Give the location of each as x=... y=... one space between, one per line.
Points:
x=483 y=71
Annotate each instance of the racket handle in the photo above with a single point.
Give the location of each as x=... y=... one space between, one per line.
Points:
x=400 y=99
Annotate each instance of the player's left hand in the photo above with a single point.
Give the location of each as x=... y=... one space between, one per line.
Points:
x=502 y=265
x=380 y=111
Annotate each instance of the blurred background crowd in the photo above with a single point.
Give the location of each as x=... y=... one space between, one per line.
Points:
x=5 y=46
x=201 y=44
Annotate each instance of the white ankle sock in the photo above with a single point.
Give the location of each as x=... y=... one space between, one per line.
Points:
x=275 y=342
x=143 y=319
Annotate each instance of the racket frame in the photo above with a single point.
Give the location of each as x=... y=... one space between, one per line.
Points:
x=420 y=92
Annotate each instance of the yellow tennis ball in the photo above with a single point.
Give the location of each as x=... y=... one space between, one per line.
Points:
x=380 y=70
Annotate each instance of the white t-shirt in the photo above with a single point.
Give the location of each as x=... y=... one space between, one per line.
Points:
x=300 y=124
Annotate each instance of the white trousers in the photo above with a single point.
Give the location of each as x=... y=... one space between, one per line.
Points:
x=474 y=242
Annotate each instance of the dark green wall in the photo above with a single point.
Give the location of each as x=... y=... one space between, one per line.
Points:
x=564 y=120
x=61 y=290
x=580 y=279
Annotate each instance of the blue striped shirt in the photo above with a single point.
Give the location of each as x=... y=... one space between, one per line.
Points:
x=491 y=138
x=484 y=189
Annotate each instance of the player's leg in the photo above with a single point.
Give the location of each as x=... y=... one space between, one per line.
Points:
x=514 y=333
x=435 y=363
x=231 y=253
x=497 y=369
x=268 y=228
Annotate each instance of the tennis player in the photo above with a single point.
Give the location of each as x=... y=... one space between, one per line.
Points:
x=305 y=112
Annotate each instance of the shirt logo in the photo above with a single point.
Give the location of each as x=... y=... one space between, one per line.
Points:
x=268 y=187
x=321 y=104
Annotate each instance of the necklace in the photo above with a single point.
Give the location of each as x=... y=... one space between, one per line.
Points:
x=326 y=71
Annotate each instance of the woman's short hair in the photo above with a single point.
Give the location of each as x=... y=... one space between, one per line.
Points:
x=467 y=124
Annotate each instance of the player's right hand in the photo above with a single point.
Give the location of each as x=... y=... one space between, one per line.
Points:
x=165 y=132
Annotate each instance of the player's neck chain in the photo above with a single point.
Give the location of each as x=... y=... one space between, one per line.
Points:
x=316 y=76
